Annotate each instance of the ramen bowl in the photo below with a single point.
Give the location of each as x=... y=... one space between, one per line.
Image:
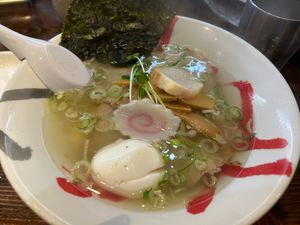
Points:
x=244 y=191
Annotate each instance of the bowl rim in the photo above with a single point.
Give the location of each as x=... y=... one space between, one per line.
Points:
x=50 y=217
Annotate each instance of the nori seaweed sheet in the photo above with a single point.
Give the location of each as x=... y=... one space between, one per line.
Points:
x=112 y=30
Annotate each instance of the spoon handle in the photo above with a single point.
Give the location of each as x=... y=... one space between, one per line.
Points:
x=17 y=43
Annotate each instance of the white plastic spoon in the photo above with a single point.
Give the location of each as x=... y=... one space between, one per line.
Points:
x=57 y=67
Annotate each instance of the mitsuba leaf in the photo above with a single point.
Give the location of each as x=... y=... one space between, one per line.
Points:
x=114 y=30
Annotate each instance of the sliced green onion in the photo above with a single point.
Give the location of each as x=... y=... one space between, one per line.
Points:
x=191 y=133
x=200 y=164
x=188 y=142
x=179 y=190
x=115 y=91
x=71 y=114
x=162 y=146
x=201 y=155
x=233 y=113
x=59 y=95
x=250 y=136
x=175 y=179
x=229 y=130
x=182 y=129
x=172 y=171
x=57 y=102
x=209 y=180
x=171 y=193
x=218 y=92
x=182 y=142
x=220 y=106
x=76 y=181
x=104 y=110
x=87 y=123
x=81 y=170
x=175 y=143
x=164 y=180
x=209 y=145
x=182 y=177
x=62 y=106
x=166 y=157
x=159 y=203
x=99 y=75
x=240 y=144
x=159 y=199
x=208 y=115
x=180 y=154
x=187 y=165
x=220 y=139
x=97 y=95
x=104 y=125
x=248 y=126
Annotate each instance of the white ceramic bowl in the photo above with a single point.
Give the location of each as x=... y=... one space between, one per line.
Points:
x=242 y=200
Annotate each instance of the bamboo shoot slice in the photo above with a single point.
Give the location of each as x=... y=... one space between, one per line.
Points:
x=201 y=101
x=164 y=96
x=202 y=125
x=178 y=107
x=121 y=83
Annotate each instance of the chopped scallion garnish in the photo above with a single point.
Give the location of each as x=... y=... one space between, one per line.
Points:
x=99 y=75
x=71 y=114
x=200 y=164
x=87 y=123
x=115 y=91
x=233 y=113
x=97 y=95
x=104 y=125
x=141 y=78
x=209 y=145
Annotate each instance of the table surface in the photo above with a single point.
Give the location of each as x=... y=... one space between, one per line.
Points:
x=38 y=19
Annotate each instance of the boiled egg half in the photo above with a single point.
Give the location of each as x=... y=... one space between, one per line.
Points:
x=128 y=167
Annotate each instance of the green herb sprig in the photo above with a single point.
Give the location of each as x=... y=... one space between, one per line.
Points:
x=141 y=78
x=146 y=194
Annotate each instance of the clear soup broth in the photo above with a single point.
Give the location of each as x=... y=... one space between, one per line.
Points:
x=79 y=123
